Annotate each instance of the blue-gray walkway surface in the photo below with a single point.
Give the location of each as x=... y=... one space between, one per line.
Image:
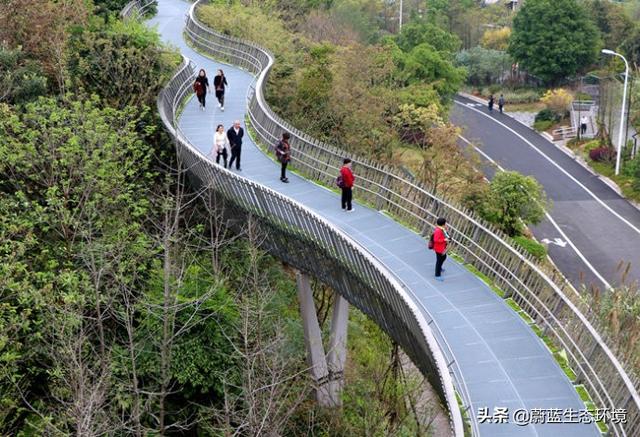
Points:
x=503 y=363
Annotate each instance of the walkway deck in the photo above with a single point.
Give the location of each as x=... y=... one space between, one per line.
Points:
x=502 y=361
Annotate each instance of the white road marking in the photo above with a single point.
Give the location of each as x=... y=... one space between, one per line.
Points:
x=551 y=220
x=596 y=198
x=557 y=241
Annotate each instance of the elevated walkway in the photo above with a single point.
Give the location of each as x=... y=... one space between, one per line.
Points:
x=496 y=359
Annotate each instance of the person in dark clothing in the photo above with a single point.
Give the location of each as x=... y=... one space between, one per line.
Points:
x=347 y=179
x=283 y=153
x=235 y=134
x=439 y=242
x=501 y=103
x=201 y=86
x=491 y=100
x=219 y=84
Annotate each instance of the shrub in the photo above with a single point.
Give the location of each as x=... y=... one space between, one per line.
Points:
x=602 y=154
x=546 y=115
x=521 y=96
x=514 y=199
x=558 y=101
x=542 y=125
x=531 y=246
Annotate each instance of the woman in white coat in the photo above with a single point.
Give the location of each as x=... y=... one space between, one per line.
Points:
x=220 y=145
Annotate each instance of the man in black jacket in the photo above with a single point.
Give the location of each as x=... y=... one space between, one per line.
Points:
x=235 y=134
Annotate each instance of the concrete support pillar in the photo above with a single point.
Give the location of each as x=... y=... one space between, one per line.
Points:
x=313 y=341
x=338 y=347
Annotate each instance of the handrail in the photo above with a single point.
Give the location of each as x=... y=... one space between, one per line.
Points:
x=136 y=8
x=415 y=335
x=479 y=243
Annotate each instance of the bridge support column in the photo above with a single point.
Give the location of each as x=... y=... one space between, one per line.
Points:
x=327 y=371
x=338 y=347
x=313 y=340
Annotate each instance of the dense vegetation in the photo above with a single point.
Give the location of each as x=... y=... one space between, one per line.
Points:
x=127 y=303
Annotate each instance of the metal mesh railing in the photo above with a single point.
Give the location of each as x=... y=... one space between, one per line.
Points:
x=137 y=8
x=546 y=297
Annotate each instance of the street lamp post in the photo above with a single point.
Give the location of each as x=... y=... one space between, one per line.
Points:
x=624 y=101
x=400 y=19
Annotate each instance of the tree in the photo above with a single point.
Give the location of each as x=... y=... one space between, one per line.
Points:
x=553 y=39
x=496 y=39
x=514 y=199
x=484 y=66
x=416 y=33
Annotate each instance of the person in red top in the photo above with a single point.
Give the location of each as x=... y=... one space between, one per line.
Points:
x=440 y=242
x=347 y=184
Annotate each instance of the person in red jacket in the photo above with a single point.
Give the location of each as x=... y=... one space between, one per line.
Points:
x=440 y=242
x=347 y=184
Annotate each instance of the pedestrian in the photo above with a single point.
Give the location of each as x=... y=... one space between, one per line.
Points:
x=220 y=83
x=283 y=153
x=583 y=124
x=501 y=103
x=220 y=144
x=438 y=242
x=491 y=102
x=345 y=182
x=200 y=87
x=234 y=135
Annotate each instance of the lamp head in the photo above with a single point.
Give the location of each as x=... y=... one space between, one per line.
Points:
x=608 y=52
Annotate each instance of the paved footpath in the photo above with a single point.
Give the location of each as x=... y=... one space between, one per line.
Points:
x=602 y=228
x=501 y=361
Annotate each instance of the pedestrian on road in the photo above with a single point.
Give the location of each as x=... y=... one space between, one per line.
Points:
x=220 y=144
x=345 y=182
x=220 y=83
x=501 y=103
x=200 y=87
x=234 y=135
x=491 y=102
x=283 y=153
x=583 y=124
x=438 y=242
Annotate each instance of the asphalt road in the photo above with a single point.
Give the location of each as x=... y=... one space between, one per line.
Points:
x=592 y=229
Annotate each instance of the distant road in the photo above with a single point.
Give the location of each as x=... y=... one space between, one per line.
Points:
x=591 y=228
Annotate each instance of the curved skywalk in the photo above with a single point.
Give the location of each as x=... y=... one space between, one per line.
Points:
x=500 y=359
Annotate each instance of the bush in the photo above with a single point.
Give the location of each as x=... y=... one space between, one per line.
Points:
x=514 y=199
x=531 y=246
x=602 y=154
x=546 y=115
x=558 y=100
x=542 y=125
x=521 y=96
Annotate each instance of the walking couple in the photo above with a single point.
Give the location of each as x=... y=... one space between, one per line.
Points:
x=201 y=87
x=223 y=141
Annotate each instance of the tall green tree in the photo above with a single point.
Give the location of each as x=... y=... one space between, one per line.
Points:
x=553 y=39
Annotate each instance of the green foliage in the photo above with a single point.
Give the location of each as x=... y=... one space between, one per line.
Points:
x=122 y=62
x=203 y=353
x=514 y=199
x=533 y=247
x=543 y=125
x=553 y=39
x=21 y=79
x=425 y=64
x=416 y=33
x=547 y=115
x=73 y=181
x=483 y=66
x=106 y=8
